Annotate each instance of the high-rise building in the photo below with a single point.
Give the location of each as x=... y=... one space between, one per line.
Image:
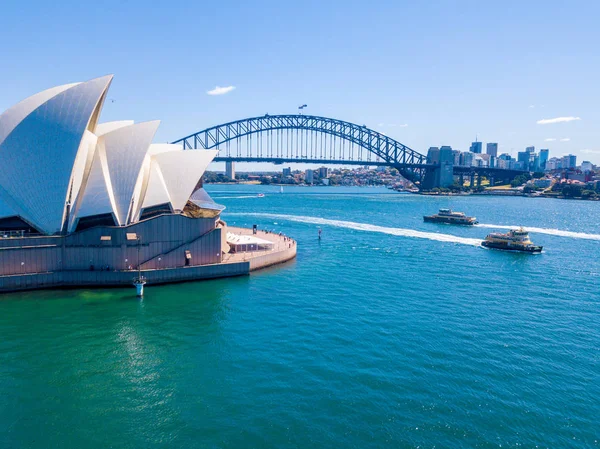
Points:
x=569 y=161
x=544 y=158
x=476 y=147
x=492 y=149
x=287 y=172
x=308 y=177
x=324 y=172
x=530 y=149
x=523 y=158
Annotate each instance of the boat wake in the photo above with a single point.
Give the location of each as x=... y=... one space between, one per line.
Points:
x=233 y=197
x=400 y=232
x=556 y=232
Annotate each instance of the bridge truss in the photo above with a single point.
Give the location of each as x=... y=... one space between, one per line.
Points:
x=308 y=139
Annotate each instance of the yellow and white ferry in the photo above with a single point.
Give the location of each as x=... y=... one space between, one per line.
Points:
x=514 y=240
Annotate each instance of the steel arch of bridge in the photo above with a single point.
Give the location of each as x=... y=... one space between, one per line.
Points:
x=410 y=163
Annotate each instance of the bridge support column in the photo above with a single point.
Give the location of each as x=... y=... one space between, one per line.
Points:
x=472 y=180
x=478 y=179
x=230 y=170
x=461 y=180
x=492 y=181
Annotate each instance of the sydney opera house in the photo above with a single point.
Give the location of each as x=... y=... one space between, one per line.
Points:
x=84 y=202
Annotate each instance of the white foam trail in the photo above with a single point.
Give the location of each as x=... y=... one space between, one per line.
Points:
x=556 y=232
x=234 y=197
x=369 y=228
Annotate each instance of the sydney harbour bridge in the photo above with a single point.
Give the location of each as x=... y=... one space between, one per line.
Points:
x=297 y=138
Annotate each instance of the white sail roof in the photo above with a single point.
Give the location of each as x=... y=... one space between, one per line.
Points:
x=38 y=155
x=15 y=114
x=126 y=149
x=156 y=192
x=97 y=197
x=106 y=127
x=181 y=171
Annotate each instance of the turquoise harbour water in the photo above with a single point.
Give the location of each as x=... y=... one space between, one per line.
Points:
x=390 y=332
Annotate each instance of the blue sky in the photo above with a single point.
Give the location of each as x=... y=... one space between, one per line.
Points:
x=448 y=70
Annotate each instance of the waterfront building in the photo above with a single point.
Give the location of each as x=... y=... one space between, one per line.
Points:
x=544 y=158
x=476 y=147
x=492 y=149
x=542 y=183
x=324 y=172
x=230 y=169
x=309 y=176
x=286 y=172
x=83 y=202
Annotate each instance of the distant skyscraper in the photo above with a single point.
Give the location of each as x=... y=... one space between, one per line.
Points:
x=324 y=172
x=569 y=161
x=492 y=149
x=523 y=158
x=586 y=166
x=543 y=159
x=530 y=149
x=476 y=147
x=287 y=172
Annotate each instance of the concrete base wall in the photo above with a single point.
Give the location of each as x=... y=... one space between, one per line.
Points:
x=256 y=263
x=119 y=278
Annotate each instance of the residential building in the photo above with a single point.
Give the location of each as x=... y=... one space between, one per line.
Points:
x=287 y=172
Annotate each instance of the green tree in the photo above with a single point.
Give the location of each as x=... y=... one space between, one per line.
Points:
x=588 y=194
